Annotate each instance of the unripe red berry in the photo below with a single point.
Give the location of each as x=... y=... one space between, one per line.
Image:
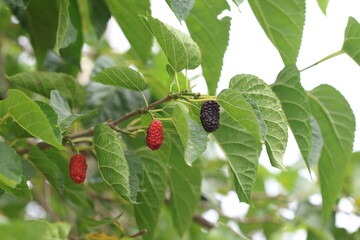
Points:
x=155 y=136
x=78 y=168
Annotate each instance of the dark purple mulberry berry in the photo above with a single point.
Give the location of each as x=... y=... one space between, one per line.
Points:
x=210 y=115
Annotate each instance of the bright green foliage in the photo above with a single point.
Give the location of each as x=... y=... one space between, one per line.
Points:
x=181 y=51
x=127 y=14
x=192 y=135
x=21 y=190
x=212 y=36
x=181 y=8
x=240 y=110
x=11 y=167
x=283 y=22
x=152 y=197
x=133 y=192
x=242 y=151
x=63 y=111
x=44 y=82
x=323 y=5
x=270 y=108
x=185 y=185
x=352 y=40
x=62 y=24
x=52 y=118
x=296 y=107
x=30 y=117
x=111 y=159
x=337 y=124
x=35 y=230
x=121 y=77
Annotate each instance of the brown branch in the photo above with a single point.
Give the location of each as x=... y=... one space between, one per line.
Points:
x=112 y=124
x=202 y=221
x=142 y=232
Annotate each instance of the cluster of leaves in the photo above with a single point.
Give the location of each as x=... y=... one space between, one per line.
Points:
x=50 y=105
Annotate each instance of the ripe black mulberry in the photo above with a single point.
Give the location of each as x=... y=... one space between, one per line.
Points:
x=210 y=115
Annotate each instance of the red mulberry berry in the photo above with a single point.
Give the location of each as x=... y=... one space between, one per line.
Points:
x=78 y=168
x=155 y=136
x=210 y=115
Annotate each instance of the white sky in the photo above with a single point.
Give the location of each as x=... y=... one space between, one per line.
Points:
x=250 y=51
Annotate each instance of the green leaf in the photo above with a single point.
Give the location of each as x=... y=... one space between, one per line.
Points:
x=126 y=13
x=259 y=117
x=35 y=230
x=337 y=124
x=242 y=151
x=40 y=19
x=283 y=22
x=52 y=118
x=30 y=117
x=323 y=5
x=3 y=109
x=28 y=169
x=212 y=36
x=72 y=191
x=185 y=185
x=121 y=77
x=99 y=15
x=21 y=3
x=112 y=163
x=44 y=82
x=152 y=197
x=136 y=172
x=240 y=110
x=49 y=112
x=317 y=143
x=295 y=103
x=11 y=167
x=159 y=77
x=63 y=24
x=181 y=8
x=21 y=190
x=48 y=167
x=352 y=40
x=270 y=107
x=181 y=51
x=111 y=102
x=9 y=129
x=72 y=39
x=63 y=111
x=192 y=135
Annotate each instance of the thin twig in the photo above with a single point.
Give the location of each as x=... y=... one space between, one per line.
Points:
x=142 y=232
x=112 y=124
x=203 y=222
